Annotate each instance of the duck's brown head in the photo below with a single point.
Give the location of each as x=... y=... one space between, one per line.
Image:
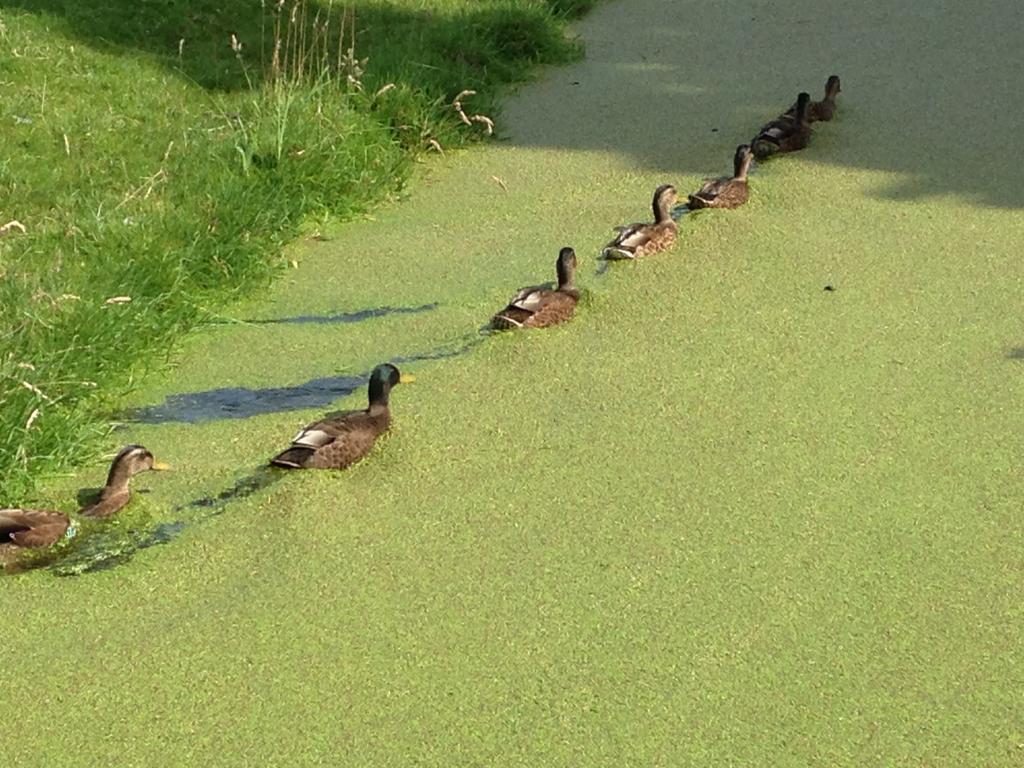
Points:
x=129 y=461
x=665 y=198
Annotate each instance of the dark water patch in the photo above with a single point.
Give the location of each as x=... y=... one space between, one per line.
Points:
x=604 y=264
x=347 y=317
x=242 y=402
x=105 y=547
x=165 y=533
x=244 y=487
x=105 y=550
x=461 y=347
x=680 y=211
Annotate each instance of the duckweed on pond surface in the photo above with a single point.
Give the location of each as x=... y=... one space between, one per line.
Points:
x=722 y=517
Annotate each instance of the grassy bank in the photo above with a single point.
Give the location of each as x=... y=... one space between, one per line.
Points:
x=157 y=167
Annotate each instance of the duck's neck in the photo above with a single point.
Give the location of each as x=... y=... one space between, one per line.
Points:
x=801 y=113
x=117 y=480
x=831 y=91
x=380 y=393
x=566 y=279
x=742 y=166
x=662 y=210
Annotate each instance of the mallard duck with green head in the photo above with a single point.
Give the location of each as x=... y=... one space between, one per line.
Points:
x=727 y=191
x=340 y=440
x=784 y=133
x=636 y=240
x=37 y=528
x=539 y=306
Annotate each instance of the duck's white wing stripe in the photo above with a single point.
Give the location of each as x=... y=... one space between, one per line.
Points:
x=625 y=233
x=528 y=299
x=312 y=438
x=634 y=238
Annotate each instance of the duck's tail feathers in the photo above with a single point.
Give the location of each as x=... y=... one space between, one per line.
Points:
x=292 y=458
x=502 y=322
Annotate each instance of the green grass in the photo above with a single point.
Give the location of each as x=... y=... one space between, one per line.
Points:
x=174 y=177
x=724 y=517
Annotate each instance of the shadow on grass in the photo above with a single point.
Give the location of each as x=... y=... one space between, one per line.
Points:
x=431 y=51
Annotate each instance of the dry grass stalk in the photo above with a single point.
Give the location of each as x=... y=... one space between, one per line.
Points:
x=12 y=225
x=36 y=390
x=487 y=122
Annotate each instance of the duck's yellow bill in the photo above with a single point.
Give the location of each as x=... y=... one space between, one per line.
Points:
x=161 y=466
x=406 y=378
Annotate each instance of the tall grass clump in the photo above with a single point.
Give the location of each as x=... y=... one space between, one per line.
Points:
x=160 y=155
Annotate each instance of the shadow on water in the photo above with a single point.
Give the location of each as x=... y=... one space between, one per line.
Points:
x=953 y=60
x=86 y=496
x=242 y=402
x=341 y=318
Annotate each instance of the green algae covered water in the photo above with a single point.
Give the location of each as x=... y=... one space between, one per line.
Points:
x=724 y=517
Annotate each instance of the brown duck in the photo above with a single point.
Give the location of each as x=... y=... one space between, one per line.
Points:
x=726 y=192
x=539 y=306
x=784 y=134
x=824 y=109
x=115 y=494
x=638 y=240
x=35 y=528
x=32 y=528
x=341 y=440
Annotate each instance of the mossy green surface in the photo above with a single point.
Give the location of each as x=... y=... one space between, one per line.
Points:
x=724 y=517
